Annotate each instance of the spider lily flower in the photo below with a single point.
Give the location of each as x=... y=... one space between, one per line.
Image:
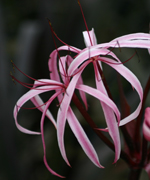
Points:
x=146 y=124
x=76 y=83
x=95 y=53
x=42 y=86
x=65 y=112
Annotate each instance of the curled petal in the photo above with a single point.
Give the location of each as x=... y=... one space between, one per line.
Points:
x=52 y=64
x=42 y=135
x=132 y=79
x=134 y=36
x=30 y=94
x=87 y=54
x=37 y=101
x=102 y=97
x=87 y=38
x=137 y=43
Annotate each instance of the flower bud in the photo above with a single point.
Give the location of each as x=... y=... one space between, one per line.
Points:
x=146 y=124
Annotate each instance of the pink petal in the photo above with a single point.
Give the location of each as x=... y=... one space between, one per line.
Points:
x=110 y=119
x=37 y=101
x=85 y=55
x=66 y=78
x=133 y=36
x=102 y=97
x=42 y=134
x=130 y=44
x=62 y=113
x=132 y=79
x=52 y=64
x=146 y=124
x=30 y=94
x=87 y=39
x=147 y=169
x=82 y=138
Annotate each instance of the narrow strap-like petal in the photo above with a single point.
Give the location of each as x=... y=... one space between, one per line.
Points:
x=84 y=55
x=110 y=118
x=147 y=169
x=42 y=134
x=137 y=43
x=62 y=112
x=37 y=101
x=100 y=96
x=82 y=138
x=87 y=38
x=133 y=36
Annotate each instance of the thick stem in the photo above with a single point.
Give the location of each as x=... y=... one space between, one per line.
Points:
x=135 y=174
x=139 y=118
x=144 y=151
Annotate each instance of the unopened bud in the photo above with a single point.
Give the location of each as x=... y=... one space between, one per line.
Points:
x=146 y=124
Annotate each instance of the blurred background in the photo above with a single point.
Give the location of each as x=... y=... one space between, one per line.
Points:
x=25 y=38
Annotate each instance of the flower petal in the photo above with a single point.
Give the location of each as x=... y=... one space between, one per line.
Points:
x=30 y=94
x=82 y=138
x=147 y=169
x=132 y=79
x=37 y=101
x=42 y=134
x=62 y=112
x=134 y=36
x=87 y=38
x=110 y=118
x=146 y=124
x=102 y=97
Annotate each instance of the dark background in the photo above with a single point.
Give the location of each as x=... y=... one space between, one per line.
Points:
x=25 y=38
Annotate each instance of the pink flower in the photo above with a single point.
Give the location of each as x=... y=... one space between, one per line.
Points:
x=146 y=124
x=62 y=92
x=70 y=70
x=98 y=54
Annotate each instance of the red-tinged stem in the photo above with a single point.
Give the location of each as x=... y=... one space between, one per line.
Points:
x=98 y=132
x=136 y=171
x=54 y=34
x=135 y=174
x=85 y=23
x=144 y=141
x=144 y=151
x=125 y=111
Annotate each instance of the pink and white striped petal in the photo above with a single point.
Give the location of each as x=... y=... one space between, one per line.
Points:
x=82 y=138
x=27 y=96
